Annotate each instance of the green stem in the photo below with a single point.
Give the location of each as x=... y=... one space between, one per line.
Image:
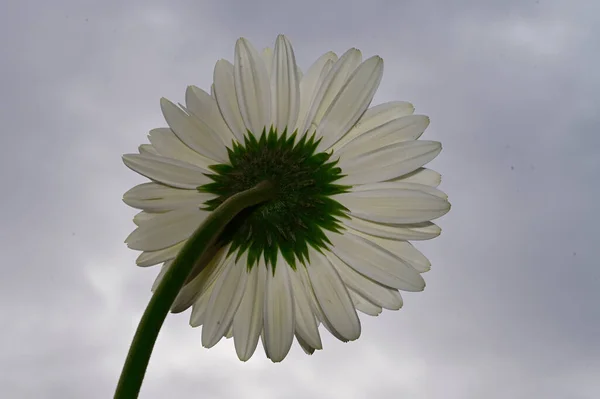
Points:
x=190 y=255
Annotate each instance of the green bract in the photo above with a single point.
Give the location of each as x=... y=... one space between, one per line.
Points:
x=302 y=208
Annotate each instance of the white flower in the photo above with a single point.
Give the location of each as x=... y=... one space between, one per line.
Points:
x=352 y=191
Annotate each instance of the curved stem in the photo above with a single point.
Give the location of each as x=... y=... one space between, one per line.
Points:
x=197 y=245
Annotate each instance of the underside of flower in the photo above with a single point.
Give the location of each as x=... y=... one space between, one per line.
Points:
x=302 y=209
x=351 y=192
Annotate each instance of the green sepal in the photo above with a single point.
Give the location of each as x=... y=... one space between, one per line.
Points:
x=303 y=208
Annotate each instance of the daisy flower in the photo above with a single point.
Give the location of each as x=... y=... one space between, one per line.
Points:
x=351 y=192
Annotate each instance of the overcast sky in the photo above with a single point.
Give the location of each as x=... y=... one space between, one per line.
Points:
x=511 y=308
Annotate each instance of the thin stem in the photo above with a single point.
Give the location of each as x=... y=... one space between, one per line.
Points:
x=198 y=244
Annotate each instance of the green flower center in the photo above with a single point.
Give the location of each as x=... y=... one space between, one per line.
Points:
x=300 y=212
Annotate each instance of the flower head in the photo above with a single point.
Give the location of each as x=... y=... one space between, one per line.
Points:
x=351 y=191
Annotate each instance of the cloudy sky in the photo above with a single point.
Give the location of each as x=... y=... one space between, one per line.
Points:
x=511 y=308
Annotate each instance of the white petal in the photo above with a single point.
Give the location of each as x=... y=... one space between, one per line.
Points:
x=224 y=92
x=264 y=344
x=417 y=231
x=421 y=176
x=159 y=277
x=403 y=250
x=151 y=258
x=403 y=129
x=310 y=84
x=167 y=171
x=267 y=56
x=375 y=117
x=199 y=306
x=193 y=132
x=224 y=301
x=302 y=273
x=384 y=204
x=278 y=311
x=285 y=91
x=364 y=305
x=309 y=350
x=200 y=284
x=333 y=297
x=413 y=256
x=401 y=185
x=205 y=107
x=166 y=229
x=155 y=197
x=388 y=162
x=375 y=262
x=306 y=325
x=142 y=217
x=407 y=252
x=248 y=320
x=147 y=149
x=330 y=87
x=229 y=333
x=169 y=145
x=376 y=293
x=351 y=102
x=252 y=87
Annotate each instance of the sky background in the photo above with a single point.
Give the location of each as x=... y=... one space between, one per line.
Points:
x=511 y=308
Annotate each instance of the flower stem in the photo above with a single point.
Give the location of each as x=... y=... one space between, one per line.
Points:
x=198 y=244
